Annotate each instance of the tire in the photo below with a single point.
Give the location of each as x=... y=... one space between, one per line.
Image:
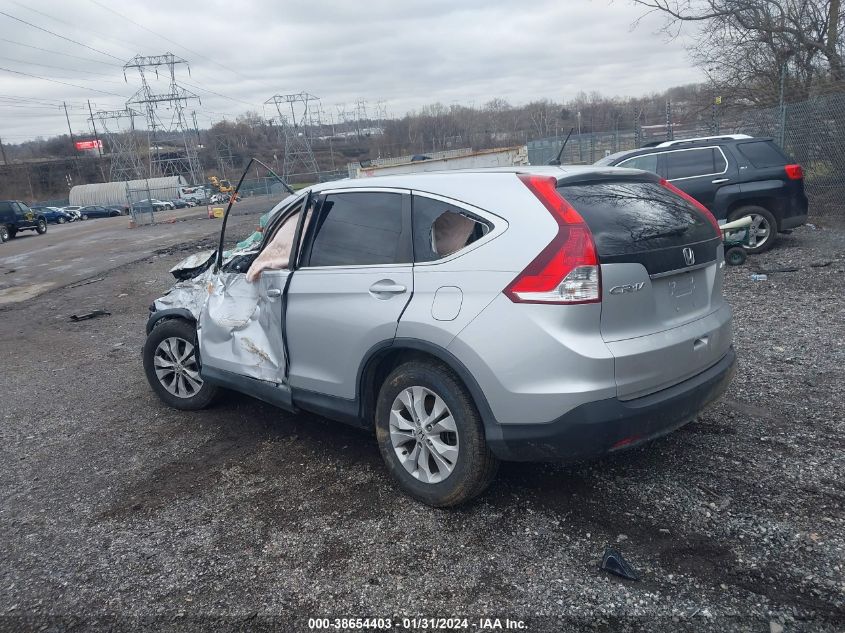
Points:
x=84 y=216
x=473 y=465
x=5 y=235
x=41 y=227
x=61 y=220
x=165 y=345
x=763 y=219
x=736 y=256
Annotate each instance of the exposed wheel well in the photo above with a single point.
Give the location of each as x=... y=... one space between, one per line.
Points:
x=772 y=205
x=380 y=365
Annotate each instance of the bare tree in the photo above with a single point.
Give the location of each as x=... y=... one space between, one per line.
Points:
x=747 y=44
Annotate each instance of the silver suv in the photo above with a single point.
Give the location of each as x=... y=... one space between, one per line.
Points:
x=533 y=313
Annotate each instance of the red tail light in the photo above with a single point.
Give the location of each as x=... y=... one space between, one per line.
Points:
x=566 y=271
x=794 y=172
x=694 y=203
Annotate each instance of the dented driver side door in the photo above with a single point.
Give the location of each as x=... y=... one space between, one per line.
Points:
x=241 y=325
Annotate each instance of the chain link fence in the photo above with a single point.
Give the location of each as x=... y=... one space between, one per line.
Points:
x=812 y=132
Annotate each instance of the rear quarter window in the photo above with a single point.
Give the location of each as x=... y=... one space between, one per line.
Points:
x=762 y=154
x=628 y=217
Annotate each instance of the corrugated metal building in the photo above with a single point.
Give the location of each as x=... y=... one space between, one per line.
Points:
x=108 y=193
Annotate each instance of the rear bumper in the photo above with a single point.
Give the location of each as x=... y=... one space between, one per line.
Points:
x=604 y=426
x=794 y=212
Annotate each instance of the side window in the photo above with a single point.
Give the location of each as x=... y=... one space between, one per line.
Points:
x=359 y=229
x=693 y=162
x=6 y=210
x=441 y=229
x=647 y=163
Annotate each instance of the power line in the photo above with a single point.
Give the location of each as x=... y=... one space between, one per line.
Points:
x=120 y=43
x=185 y=83
x=107 y=8
x=63 y=54
x=64 y=83
x=96 y=50
x=17 y=98
x=85 y=72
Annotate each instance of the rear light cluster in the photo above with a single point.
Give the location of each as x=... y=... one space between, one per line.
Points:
x=694 y=203
x=567 y=270
x=794 y=172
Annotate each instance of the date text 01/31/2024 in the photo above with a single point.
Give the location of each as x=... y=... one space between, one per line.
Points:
x=413 y=624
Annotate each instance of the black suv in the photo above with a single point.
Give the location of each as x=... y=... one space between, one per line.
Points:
x=16 y=216
x=733 y=176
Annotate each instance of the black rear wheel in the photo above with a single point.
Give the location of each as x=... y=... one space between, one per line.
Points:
x=736 y=256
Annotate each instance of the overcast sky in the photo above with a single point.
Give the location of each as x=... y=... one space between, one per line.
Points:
x=406 y=54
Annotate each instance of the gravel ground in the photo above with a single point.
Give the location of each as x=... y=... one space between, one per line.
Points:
x=119 y=513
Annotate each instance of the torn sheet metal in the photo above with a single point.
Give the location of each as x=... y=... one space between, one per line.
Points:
x=240 y=326
x=193 y=265
x=190 y=294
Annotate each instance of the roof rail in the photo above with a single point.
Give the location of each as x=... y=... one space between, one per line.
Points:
x=722 y=137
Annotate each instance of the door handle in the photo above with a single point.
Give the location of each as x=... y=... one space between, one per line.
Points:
x=719 y=180
x=274 y=292
x=387 y=286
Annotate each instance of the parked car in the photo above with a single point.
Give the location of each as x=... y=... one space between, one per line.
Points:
x=144 y=205
x=54 y=215
x=121 y=209
x=16 y=216
x=526 y=313
x=73 y=211
x=96 y=211
x=179 y=203
x=734 y=176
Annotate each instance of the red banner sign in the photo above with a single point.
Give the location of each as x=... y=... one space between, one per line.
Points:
x=81 y=145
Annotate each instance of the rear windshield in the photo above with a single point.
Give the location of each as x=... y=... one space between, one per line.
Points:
x=763 y=154
x=627 y=217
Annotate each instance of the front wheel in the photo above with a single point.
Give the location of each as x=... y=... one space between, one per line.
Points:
x=172 y=366
x=763 y=230
x=61 y=220
x=84 y=216
x=41 y=227
x=431 y=435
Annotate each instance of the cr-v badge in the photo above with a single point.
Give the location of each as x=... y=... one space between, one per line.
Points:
x=689 y=255
x=619 y=290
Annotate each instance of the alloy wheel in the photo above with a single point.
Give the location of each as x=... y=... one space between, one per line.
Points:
x=759 y=232
x=176 y=367
x=424 y=435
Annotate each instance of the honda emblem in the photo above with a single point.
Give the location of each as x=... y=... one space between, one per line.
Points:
x=689 y=255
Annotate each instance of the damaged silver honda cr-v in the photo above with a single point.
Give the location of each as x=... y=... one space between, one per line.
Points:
x=549 y=313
